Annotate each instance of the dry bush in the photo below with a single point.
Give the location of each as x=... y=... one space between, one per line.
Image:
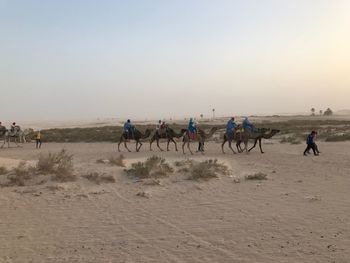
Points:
x=183 y=163
x=59 y=164
x=207 y=169
x=256 y=176
x=99 y=178
x=153 y=167
x=20 y=174
x=3 y=170
x=119 y=161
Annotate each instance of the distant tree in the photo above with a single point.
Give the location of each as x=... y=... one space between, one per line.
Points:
x=202 y=116
x=328 y=112
x=321 y=112
x=313 y=111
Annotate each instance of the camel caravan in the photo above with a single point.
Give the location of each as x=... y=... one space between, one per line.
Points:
x=14 y=134
x=238 y=133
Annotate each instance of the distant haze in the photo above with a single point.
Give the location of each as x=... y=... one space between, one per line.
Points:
x=160 y=59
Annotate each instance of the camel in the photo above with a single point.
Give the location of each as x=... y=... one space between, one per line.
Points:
x=201 y=136
x=229 y=139
x=16 y=134
x=137 y=136
x=170 y=134
x=264 y=136
x=245 y=135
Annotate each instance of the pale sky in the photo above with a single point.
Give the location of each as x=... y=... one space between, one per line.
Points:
x=160 y=59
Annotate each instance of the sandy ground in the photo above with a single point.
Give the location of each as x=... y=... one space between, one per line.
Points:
x=300 y=214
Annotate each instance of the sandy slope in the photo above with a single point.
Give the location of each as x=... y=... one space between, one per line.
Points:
x=300 y=214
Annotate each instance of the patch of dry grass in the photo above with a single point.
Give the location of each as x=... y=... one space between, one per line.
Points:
x=60 y=165
x=153 y=167
x=99 y=178
x=3 y=170
x=257 y=176
x=118 y=161
x=20 y=174
x=207 y=169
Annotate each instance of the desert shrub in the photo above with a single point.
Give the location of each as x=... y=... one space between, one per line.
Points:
x=256 y=176
x=183 y=163
x=118 y=161
x=153 y=167
x=338 y=137
x=3 y=170
x=59 y=164
x=46 y=163
x=99 y=178
x=207 y=169
x=20 y=174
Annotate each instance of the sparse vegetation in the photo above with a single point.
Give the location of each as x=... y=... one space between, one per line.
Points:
x=207 y=169
x=338 y=137
x=99 y=178
x=20 y=174
x=153 y=167
x=3 y=170
x=118 y=161
x=257 y=176
x=59 y=164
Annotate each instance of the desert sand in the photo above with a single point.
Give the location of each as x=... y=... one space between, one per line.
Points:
x=301 y=213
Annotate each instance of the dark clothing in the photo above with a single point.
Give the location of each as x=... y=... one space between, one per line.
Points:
x=38 y=143
x=311 y=145
x=310 y=139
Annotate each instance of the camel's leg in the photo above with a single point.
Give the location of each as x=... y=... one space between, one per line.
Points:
x=16 y=142
x=172 y=139
x=120 y=142
x=158 y=145
x=223 y=144
x=188 y=147
x=150 y=144
x=238 y=146
x=245 y=146
x=256 y=140
x=167 y=145
x=126 y=146
x=230 y=146
x=261 y=150
x=138 y=149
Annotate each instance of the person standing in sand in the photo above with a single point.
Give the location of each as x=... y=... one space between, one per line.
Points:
x=38 y=139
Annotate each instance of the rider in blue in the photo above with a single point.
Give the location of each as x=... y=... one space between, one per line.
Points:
x=191 y=126
x=247 y=125
x=230 y=127
x=128 y=128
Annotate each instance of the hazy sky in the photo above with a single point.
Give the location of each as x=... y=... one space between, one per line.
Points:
x=159 y=59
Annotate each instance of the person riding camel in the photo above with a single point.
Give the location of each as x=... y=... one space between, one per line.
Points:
x=2 y=128
x=231 y=127
x=159 y=128
x=247 y=125
x=128 y=129
x=191 y=129
x=13 y=127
